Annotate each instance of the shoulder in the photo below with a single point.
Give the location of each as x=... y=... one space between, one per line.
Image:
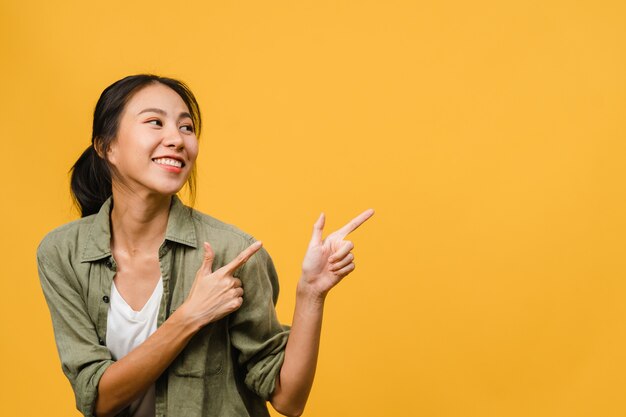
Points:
x=64 y=241
x=227 y=241
x=210 y=227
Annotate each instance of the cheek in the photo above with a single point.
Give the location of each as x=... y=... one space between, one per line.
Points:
x=192 y=150
x=126 y=154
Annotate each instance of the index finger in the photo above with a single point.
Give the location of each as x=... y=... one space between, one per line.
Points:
x=353 y=224
x=243 y=257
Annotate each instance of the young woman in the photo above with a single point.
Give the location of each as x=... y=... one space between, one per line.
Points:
x=159 y=310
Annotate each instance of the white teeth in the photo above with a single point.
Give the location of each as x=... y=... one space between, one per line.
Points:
x=169 y=161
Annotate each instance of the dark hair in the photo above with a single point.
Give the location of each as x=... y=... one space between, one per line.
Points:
x=91 y=175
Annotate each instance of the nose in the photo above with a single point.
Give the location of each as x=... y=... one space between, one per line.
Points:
x=172 y=138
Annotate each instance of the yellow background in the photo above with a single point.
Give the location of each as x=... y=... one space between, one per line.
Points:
x=489 y=136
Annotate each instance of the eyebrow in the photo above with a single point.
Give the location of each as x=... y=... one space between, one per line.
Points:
x=163 y=112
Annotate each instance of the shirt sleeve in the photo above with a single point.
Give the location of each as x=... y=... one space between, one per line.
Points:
x=254 y=328
x=83 y=358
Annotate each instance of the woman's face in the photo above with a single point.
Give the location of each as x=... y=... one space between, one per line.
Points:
x=156 y=145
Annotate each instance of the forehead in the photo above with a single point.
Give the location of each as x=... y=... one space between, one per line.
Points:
x=156 y=96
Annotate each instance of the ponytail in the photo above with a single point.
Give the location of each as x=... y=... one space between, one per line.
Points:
x=90 y=182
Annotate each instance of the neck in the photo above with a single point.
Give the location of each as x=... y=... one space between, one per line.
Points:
x=138 y=223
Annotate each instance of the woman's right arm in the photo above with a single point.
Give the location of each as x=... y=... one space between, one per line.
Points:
x=213 y=295
x=115 y=384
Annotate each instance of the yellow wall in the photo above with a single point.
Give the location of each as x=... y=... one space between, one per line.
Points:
x=490 y=137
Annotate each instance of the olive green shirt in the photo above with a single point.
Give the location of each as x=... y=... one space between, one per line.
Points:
x=228 y=368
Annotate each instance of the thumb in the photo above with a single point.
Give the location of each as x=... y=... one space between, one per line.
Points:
x=318 y=228
x=209 y=255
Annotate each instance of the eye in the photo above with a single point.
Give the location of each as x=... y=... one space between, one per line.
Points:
x=155 y=122
x=187 y=128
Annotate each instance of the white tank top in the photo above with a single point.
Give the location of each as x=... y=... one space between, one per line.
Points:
x=127 y=329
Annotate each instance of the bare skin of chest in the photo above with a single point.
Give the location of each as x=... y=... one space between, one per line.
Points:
x=136 y=277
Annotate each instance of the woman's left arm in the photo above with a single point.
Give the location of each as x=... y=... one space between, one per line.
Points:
x=325 y=264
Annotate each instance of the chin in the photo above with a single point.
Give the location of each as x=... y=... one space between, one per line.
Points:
x=169 y=191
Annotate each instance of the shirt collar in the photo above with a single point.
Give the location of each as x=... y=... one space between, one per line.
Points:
x=179 y=229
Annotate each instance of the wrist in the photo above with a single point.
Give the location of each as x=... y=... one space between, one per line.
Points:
x=307 y=292
x=182 y=319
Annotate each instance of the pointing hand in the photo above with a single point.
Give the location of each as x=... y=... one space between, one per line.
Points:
x=214 y=295
x=328 y=260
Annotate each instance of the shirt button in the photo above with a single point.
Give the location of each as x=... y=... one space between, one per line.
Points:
x=105 y=298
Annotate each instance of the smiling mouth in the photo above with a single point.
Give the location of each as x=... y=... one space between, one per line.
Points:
x=170 y=162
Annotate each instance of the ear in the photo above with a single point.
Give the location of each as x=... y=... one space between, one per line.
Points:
x=105 y=152
x=98 y=146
